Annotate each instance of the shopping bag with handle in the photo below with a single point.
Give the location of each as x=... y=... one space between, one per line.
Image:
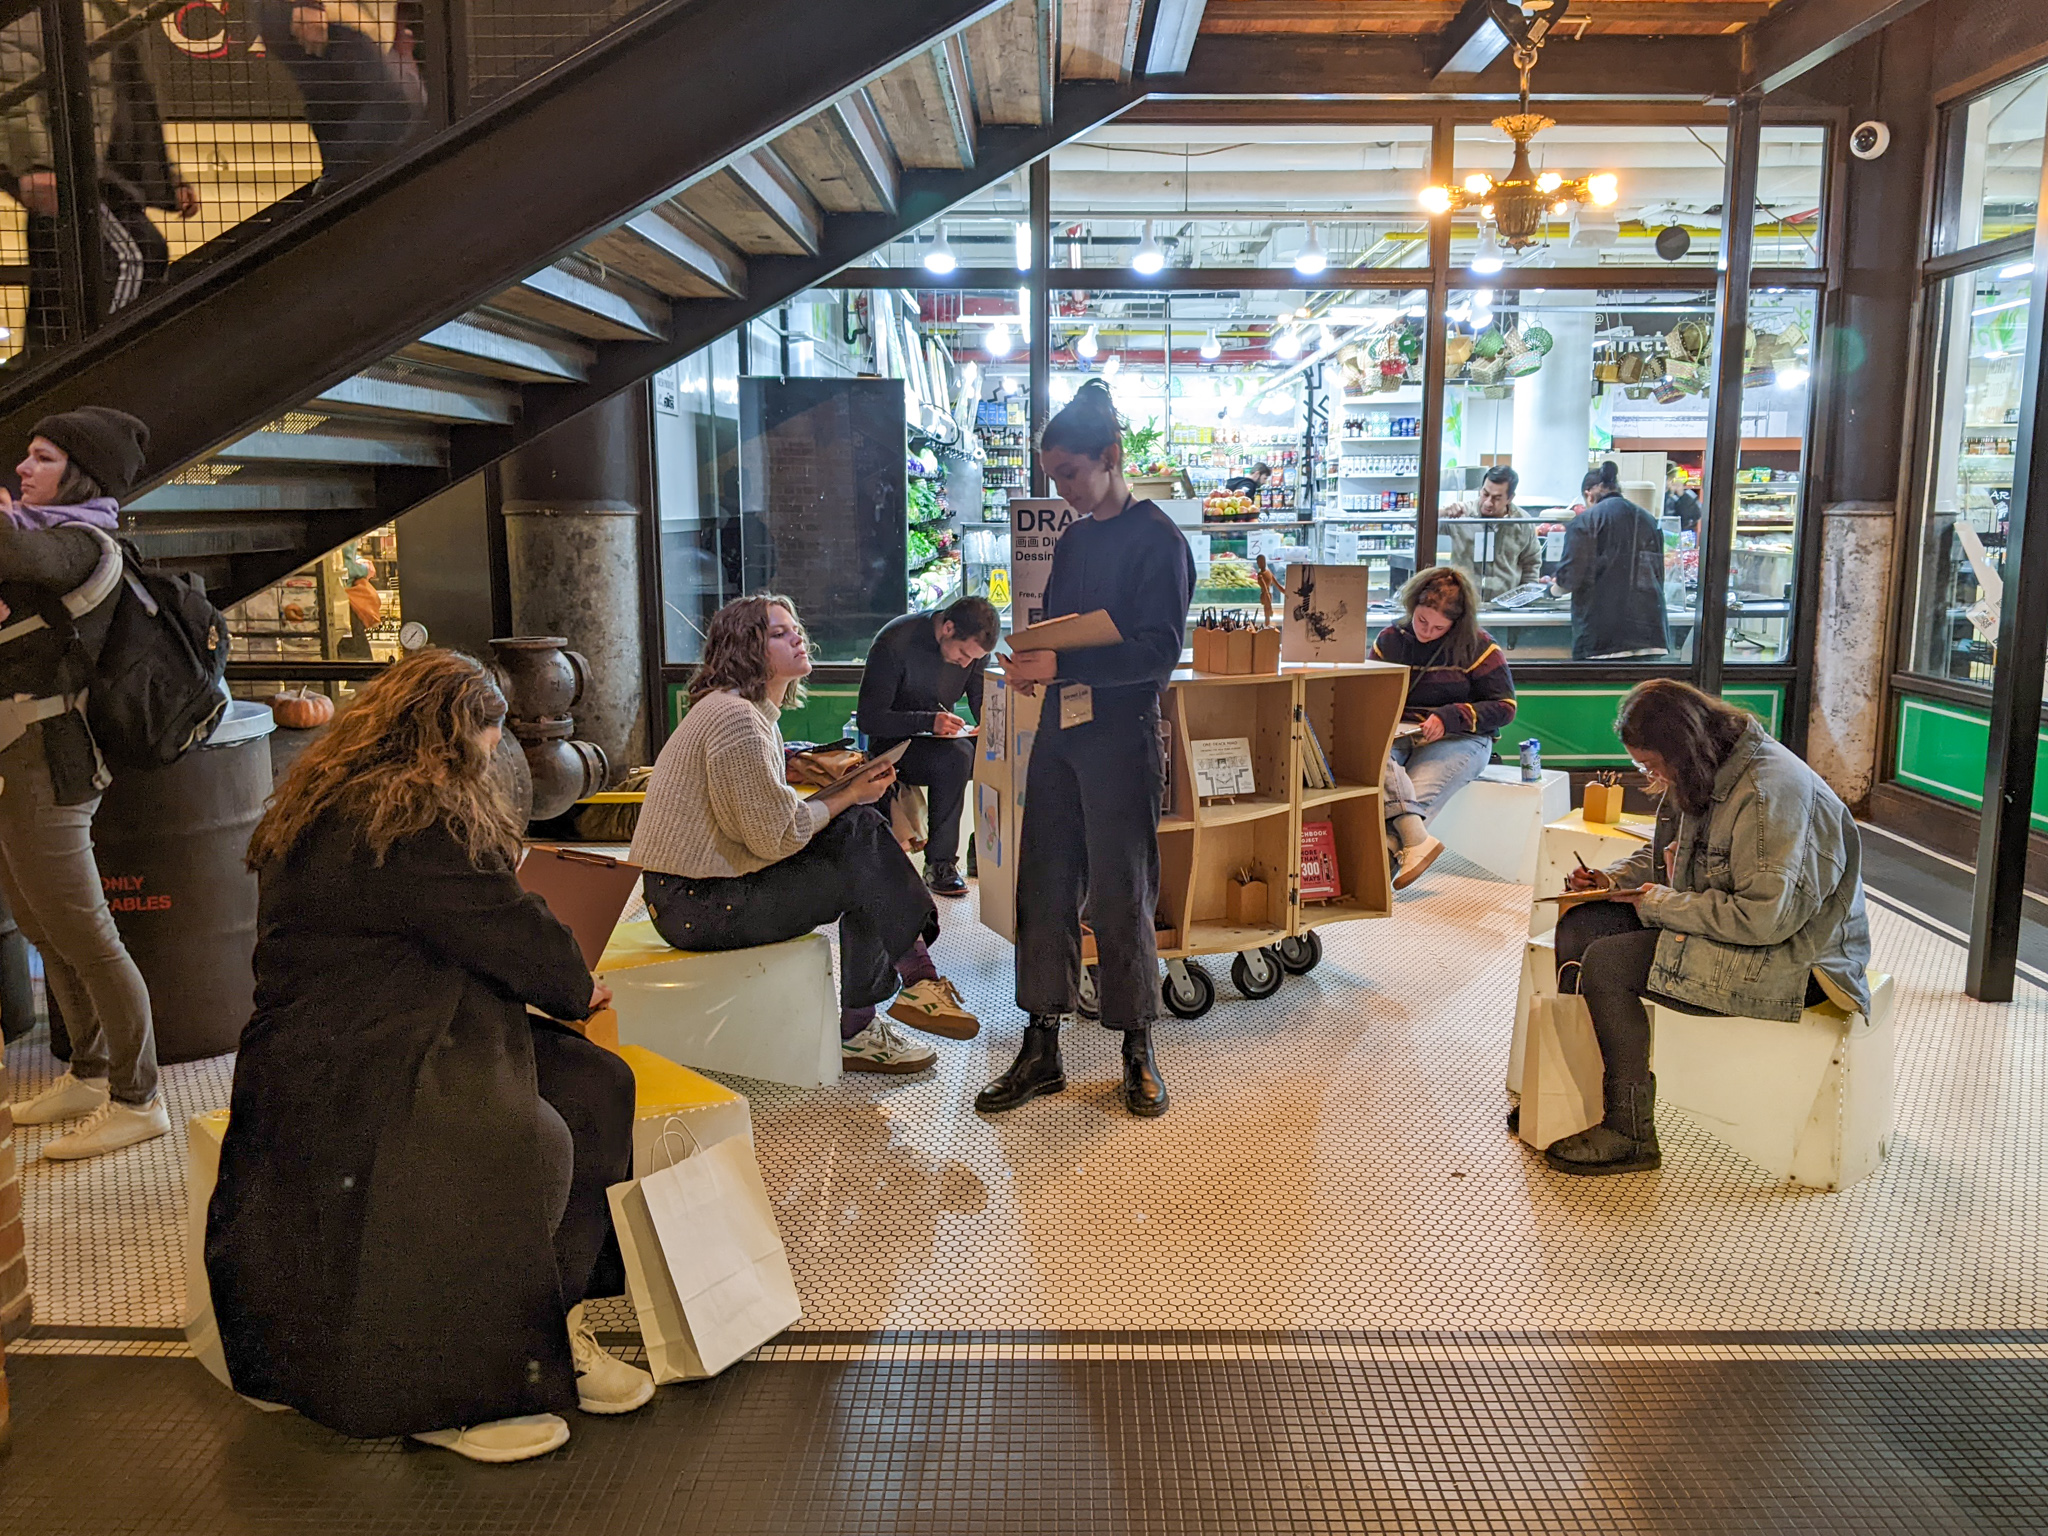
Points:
x=1561 y=1071
x=705 y=1264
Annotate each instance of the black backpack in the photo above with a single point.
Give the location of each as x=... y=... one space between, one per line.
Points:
x=157 y=686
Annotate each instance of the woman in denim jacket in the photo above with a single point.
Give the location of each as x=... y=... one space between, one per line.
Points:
x=1759 y=913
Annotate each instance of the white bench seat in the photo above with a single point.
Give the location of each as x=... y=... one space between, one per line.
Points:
x=1497 y=821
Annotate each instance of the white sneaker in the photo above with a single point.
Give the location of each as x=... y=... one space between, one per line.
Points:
x=934 y=1007
x=1415 y=860
x=878 y=1048
x=65 y=1099
x=502 y=1440
x=111 y=1127
x=604 y=1382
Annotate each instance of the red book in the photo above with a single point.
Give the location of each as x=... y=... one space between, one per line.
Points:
x=1319 y=880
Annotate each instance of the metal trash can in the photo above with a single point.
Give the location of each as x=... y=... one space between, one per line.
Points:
x=171 y=843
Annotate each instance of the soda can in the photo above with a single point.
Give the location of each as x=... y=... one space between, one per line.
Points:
x=1532 y=761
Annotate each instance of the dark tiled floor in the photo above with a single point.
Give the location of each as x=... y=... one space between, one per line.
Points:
x=1386 y=1443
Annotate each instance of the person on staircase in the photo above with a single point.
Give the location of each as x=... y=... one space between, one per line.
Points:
x=1461 y=696
x=1091 y=803
x=411 y=1206
x=1759 y=913
x=736 y=858
x=79 y=467
x=917 y=669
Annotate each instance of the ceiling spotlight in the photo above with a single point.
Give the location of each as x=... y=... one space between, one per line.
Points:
x=1112 y=365
x=1023 y=247
x=1211 y=347
x=1288 y=343
x=1488 y=259
x=1089 y=344
x=1325 y=337
x=1312 y=258
x=1009 y=383
x=1149 y=258
x=998 y=340
x=940 y=260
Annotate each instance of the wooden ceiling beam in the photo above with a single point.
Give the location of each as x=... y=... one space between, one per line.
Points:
x=1407 y=17
x=1009 y=58
x=927 y=106
x=843 y=158
x=1400 y=68
x=759 y=206
x=1099 y=39
x=1800 y=35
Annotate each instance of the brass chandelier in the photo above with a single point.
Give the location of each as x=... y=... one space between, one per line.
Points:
x=1518 y=202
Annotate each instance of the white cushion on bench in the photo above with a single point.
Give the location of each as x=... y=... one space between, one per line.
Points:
x=1497 y=821
x=770 y=1012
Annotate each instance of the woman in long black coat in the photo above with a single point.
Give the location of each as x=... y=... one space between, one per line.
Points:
x=412 y=1187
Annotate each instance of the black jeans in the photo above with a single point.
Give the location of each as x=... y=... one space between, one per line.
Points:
x=134 y=256
x=1612 y=951
x=358 y=101
x=943 y=766
x=853 y=873
x=591 y=1089
x=1091 y=830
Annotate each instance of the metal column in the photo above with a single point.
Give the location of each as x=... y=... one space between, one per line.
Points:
x=76 y=149
x=1041 y=313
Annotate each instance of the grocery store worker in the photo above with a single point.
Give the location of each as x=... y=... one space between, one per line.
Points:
x=1613 y=567
x=1251 y=484
x=1091 y=804
x=917 y=669
x=1499 y=559
x=1680 y=502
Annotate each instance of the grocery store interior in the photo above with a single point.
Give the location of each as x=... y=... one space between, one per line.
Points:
x=1375 y=288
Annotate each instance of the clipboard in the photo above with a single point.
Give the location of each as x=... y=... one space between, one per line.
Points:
x=586 y=891
x=864 y=769
x=1068 y=632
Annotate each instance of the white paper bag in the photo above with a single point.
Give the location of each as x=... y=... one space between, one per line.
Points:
x=1561 y=1071
x=705 y=1264
x=203 y=1135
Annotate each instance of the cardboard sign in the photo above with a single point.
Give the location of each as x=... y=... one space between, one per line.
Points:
x=1222 y=767
x=1325 y=618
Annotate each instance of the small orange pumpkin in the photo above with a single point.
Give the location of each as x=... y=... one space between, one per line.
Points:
x=301 y=709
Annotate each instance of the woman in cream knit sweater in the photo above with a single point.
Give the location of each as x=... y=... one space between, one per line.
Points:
x=735 y=857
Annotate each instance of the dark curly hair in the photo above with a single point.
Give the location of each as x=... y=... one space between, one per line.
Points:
x=1692 y=732
x=1087 y=424
x=736 y=650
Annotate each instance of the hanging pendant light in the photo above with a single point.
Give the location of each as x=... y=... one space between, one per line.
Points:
x=1288 y=343
x=1312 y=258
x=1211 y=347
x=1089 y=344
x=1023 y=247
x=1150 y=259
x=1488 y=260
x=998 y=340
x=940 y=260
x=1110 y=365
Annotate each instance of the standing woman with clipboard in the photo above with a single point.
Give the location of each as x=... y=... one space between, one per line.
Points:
x=1091 y=805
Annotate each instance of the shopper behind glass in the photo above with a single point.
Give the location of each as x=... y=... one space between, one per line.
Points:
x=1091 y=801
x=1460 y=697
x=411 y=1207
x=135 y=172
x=1750 y=905
x=352 y=62
x=79 y=466
x=1250 y=485
x=736 y=858
x=1680 y=502
x=917 y=670
x=1499 y=558
x=1613 y=567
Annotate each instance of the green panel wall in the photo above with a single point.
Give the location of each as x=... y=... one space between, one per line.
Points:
x=1942 y=751
x=818 y=718
x=1575 y=722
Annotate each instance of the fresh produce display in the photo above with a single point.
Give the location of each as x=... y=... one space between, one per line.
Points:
x=1231 y=573
x=1228 y=506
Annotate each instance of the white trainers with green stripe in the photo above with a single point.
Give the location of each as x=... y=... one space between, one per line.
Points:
x=934 y=1007
x=878 y=1048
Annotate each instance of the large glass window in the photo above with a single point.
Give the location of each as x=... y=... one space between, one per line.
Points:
x=1979 y=368
x=1770 y=489
x=1542 y=386
x=1994 y=164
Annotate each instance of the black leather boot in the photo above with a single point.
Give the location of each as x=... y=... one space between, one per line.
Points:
x=1036 y=1070
x=1624 y=1142
x=1144 y=1088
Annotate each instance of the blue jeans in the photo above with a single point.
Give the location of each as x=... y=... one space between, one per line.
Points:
x=1422 y=775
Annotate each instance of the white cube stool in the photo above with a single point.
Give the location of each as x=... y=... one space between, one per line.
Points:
x=1810 y=1100
x=769 y=1012
x=1497 y=821
x=669 y=1100
x=1595 y=842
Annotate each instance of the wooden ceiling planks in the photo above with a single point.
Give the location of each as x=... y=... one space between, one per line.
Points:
x=1414 y=17
x=927 y=107
x=1099 y=38
x=843 y=157
x=669 y=251
x=1009 y=57
x=759 y=206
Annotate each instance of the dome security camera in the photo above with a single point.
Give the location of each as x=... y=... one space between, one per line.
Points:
x=1869 y=140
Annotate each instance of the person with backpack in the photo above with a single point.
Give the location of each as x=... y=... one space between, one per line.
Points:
x=57 y=559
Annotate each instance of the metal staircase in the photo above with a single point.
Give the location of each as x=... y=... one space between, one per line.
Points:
x=617 y=214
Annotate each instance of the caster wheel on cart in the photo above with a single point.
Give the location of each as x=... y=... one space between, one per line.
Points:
x=1187 y=991
x=1258 y=973
x=1088 y=1001
x=1301 y=954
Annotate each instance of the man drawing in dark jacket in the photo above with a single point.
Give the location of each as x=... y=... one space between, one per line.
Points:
x=917 y=670
x=1613 y=568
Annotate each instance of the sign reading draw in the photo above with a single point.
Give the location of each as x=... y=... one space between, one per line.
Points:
x=1035 y=527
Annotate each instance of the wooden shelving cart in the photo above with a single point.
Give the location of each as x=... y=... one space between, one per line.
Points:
x=1353 y=709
